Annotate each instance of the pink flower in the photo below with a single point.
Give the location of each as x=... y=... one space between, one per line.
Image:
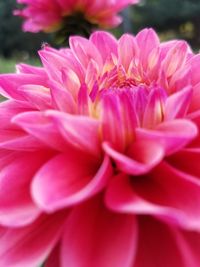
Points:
x=100 y=152
x=50 y=15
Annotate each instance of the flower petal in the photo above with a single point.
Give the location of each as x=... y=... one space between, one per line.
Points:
x=171 y=135
x=102 y=239
x=167 y=187
x=80 y=131
x=159 y=246
x=16 y=205
x=29 y=246
x=77 y=178
x=127 y=50
x=105 y=43
x=178 y=103
x=40 y=126
x=140 y=160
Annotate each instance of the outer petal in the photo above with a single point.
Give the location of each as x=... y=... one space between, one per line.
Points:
x=80 y=131
x=36 y=95
x=172 y=135
x=160 y=245
x=97 y=237
x=187 y=161
x=162 y=193
x=9 y=84
x=29 y=246
x=77 y=179
x=54 y=258
x=16 y=205
x=139 y=160
x=168 y=187
x=40 y=126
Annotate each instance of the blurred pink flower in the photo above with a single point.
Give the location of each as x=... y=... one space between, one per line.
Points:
x=49 y=15
x=100 y=152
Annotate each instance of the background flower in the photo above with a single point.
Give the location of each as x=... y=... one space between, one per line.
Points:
x=71 y=16
x=100 y=155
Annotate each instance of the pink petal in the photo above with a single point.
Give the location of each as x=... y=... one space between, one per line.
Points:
x=38 y=96
x=77 y=178
x=105 y=43
x=171 y=135
x=111 y=118
x=16 y=205
x=178 y=103
x=154 y=110
x=190 y=244
x=140 y=160
x=121 y=197
x=29 y=246
x=9 y=84
x=127 y=50
x=9 y=109
x=175 y=58
x=80 y=131
x=167 y=187
x=62 y=98
x=187 y=161
x=195 y=101
x=85 y=51
x=159 y=246
x=40 y=126
x=102 y=239
x=18 y=140
x=28 y=69
x=54 y=258
x=54 y=62
x=146 y=40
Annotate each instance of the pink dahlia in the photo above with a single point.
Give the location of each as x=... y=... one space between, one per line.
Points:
x=51 y=15
x=100 y=152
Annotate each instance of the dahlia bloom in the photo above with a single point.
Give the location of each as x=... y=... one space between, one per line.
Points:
x=99 y=156
x=50 y=15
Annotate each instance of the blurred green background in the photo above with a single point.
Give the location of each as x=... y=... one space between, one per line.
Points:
x=171 y=18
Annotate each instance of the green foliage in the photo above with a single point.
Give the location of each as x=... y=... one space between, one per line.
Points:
x=8 y=65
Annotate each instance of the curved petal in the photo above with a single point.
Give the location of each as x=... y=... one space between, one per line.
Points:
x=164 y=193
x=77 y=178
x=18 y=140
x=36 y=95
x=141 y=158
x=10 y=83
x=167 y=187
x=16 y=205
x=80 y=131
x=102 y=239
x=29 y=246
x=171 y=135
x=38 y=125
x=177 y=104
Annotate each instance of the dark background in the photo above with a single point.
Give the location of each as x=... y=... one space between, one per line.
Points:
x=171 y=18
